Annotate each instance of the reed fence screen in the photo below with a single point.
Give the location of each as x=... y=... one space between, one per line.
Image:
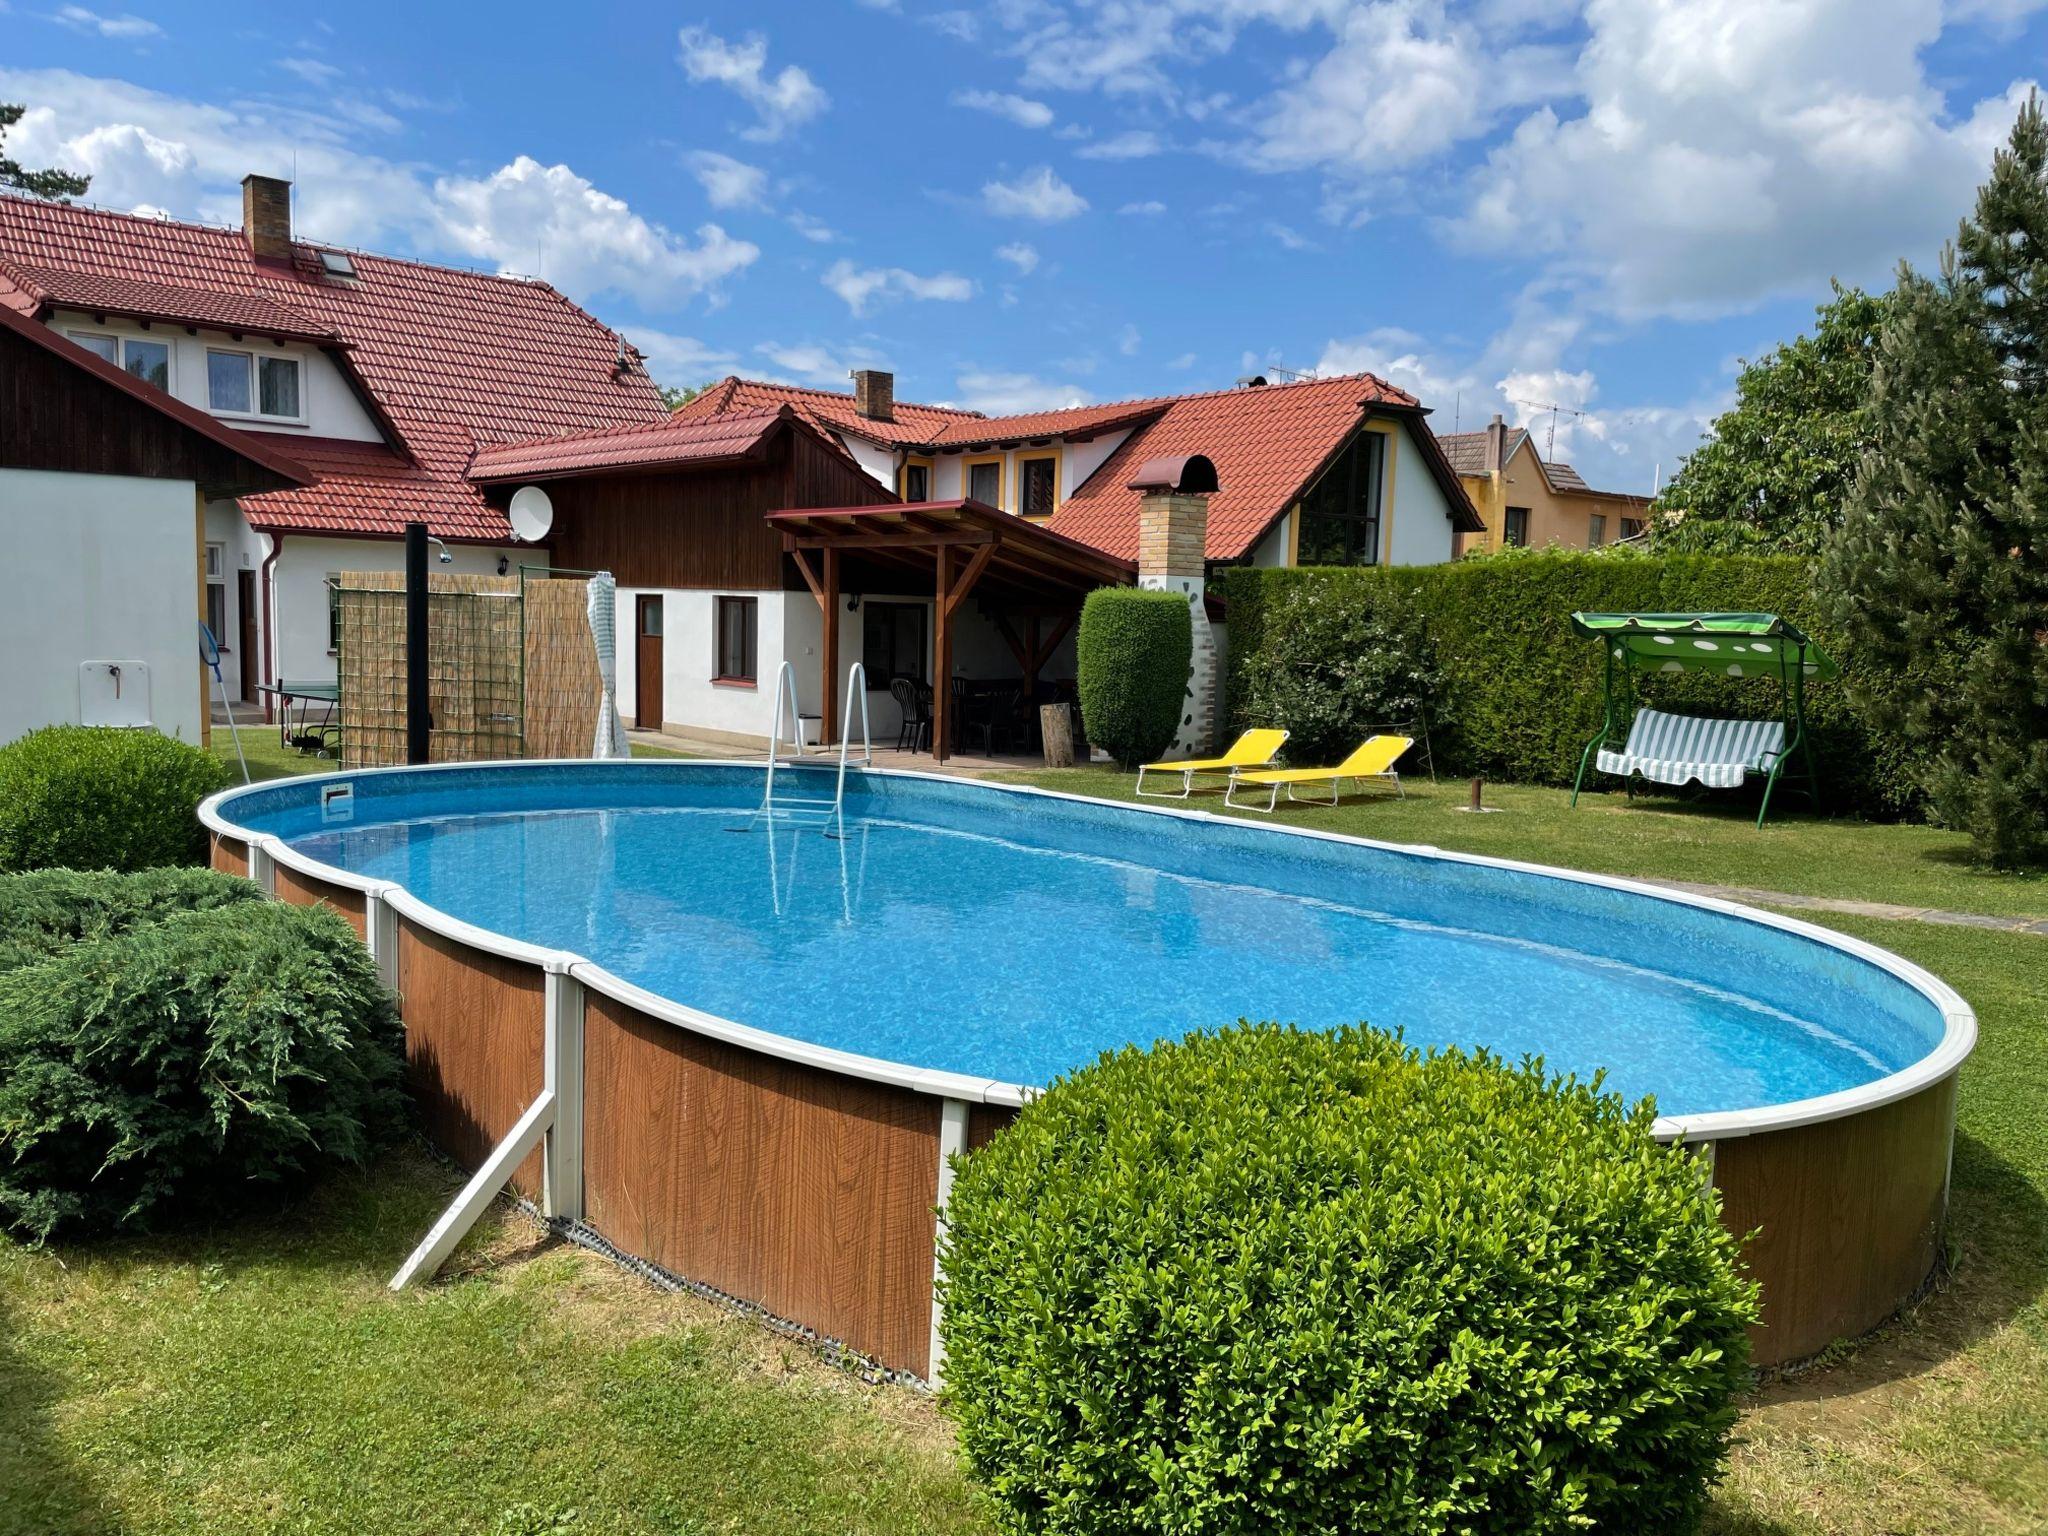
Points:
x=511 y=667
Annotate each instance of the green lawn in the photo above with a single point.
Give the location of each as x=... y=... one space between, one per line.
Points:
x=270 y=759
x=1665 y=837
x=260 y=1378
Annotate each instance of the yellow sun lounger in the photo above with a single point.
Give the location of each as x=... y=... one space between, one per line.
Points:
x=1374 y=760
x=1254 y=749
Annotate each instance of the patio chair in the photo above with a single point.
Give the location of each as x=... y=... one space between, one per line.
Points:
x=915 y=705
x=1374 y=759
x=1254 y=749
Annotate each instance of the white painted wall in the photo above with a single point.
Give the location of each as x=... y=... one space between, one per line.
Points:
x=332 y=407
x=879 y=462
x=99 y=568
x=1275 y=547
x=298 y=597
x=1421 y=533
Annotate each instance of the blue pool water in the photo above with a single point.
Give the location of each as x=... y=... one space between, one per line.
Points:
x=1014 y=937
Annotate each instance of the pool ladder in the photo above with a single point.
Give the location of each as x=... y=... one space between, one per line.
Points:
x=814 y=809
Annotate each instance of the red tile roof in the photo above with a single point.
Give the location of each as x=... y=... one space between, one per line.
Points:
x=287 y=465
x=454 y=360
x=1267 y=443
x=142 y=300
x=914 y=424
x=1074 y=422
x=708 y=440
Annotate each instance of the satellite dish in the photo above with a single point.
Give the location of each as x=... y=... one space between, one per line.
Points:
x=531 y=514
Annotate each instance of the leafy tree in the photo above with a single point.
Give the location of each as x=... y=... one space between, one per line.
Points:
x=1940 y=570
x=15 y=177
x=1772 y=477
x=675 y=396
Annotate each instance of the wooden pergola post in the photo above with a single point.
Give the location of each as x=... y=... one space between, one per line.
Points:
x=942 y=650
x=828 y=652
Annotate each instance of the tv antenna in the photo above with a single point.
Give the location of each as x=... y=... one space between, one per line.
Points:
x=1550 y=442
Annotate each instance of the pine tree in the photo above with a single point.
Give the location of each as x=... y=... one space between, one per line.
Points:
x=1940 y=570
x=17 y=178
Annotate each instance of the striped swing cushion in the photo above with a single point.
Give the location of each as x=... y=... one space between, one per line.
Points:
x=1675 y=749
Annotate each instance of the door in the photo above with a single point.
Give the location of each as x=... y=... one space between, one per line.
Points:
x=245 y=633
x=647 y=665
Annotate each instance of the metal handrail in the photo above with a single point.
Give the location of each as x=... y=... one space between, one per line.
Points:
x=785 y=693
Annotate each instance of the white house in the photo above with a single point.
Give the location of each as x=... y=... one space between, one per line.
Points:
x=103 y=489
x=382 y=377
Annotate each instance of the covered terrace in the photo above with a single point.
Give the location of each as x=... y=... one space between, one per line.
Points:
x=1028 y=580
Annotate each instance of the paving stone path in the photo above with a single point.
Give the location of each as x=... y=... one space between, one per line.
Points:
x=1886 y=909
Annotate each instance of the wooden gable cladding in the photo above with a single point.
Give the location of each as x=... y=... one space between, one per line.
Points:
x=702 y=529
x=58 y=413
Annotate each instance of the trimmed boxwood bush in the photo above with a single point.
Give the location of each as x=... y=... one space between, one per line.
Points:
x=1266 y=1280
x=1134 y=651
x=48 y=910
x=96 y=797
x=186 y=1066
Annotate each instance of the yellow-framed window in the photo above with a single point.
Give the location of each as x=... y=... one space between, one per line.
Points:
x=1038 y=483
x=914 y=480
x=981 y=479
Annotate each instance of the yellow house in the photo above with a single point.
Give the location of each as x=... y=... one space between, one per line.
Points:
x=1527 y=501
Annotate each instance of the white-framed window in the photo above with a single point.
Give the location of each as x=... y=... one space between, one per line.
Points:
x=254 y=384
x=1596 y=532
x=149 y=360
x=217 y=594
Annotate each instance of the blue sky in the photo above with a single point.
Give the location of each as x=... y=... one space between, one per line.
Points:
x=1505 y=205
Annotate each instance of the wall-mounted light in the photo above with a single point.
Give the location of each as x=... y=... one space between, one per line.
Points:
x=853 y=602
x=504 y=564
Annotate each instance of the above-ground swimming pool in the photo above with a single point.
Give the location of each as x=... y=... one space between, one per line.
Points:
x=775 y=1006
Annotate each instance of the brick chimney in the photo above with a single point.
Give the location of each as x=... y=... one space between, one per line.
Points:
x=1173 y=534
x=267 y=217
x=1496 y=444
x=874 y=394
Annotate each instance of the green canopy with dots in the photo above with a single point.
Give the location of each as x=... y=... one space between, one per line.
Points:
x=1733 y=644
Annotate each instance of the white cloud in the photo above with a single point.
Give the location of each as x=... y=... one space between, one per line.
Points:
x=1021 y=110
x=1182 y=363
x=1037 y=194
x=124 y=28
x=159 y=153
x=316 y=72
x=1146 y=209
x=813 y=229
x=1727 y=156
x=587 y=240
x=1133 y=145
x=783 y=101
x=1287 y=237
x=1009 y=394
x=728 y=183
x=679 y=360
x=1019 y=255
x=862 y=286
x=820 y=366
x=1128 y=340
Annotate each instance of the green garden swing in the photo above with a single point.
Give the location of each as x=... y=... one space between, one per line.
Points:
x=1668 y=748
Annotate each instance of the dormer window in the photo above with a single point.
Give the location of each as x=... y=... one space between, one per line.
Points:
x=149 y=361
x=244 y=384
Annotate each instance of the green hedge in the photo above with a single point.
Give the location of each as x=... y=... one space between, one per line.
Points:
x=46 y=911
x=185 y=1066
x=95 y=797
x=1521 y=693
x=1133 y=654
x=1273 y=1281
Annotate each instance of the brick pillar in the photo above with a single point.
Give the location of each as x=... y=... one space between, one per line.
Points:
x=1173 y=533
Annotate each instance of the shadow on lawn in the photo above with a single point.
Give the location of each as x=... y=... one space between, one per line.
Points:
x=1998 y=1243
x=43 y=1492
